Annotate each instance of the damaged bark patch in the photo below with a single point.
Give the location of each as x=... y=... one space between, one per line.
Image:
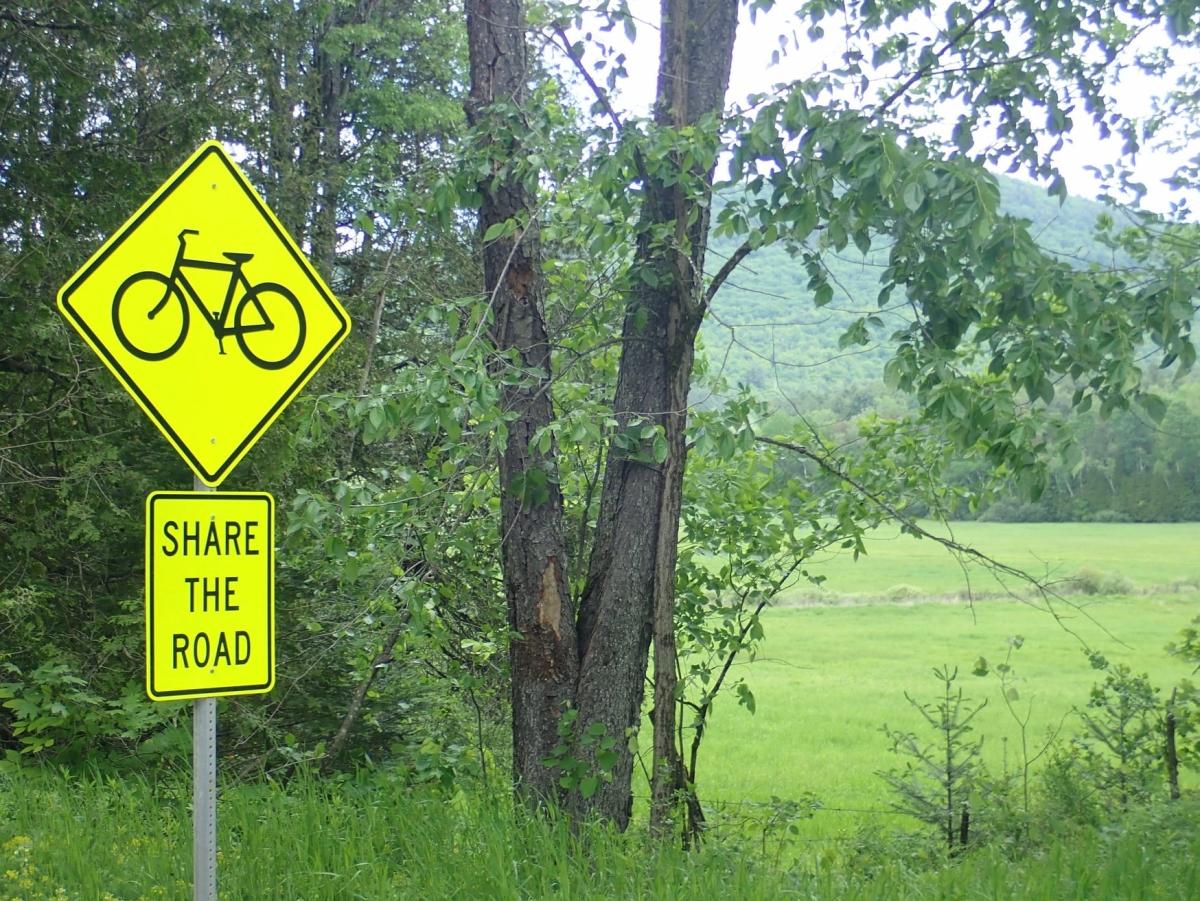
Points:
x=549 y=605
x=517 y=281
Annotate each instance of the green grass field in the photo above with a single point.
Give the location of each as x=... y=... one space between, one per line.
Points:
x=1147 y=555
x=830 y=674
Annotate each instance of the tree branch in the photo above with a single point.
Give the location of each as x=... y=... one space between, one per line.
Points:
x=30 y=22
x=601 y=98
x=723 y=273
x=17 y=364
x=22 y=365
x=382 y=659
x=929 y=67
x=955 y=547
x=577 y=61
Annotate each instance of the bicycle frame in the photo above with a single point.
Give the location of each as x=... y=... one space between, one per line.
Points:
x=218 y=322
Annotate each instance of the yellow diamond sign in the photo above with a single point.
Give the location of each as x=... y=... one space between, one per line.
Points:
x=206 y=311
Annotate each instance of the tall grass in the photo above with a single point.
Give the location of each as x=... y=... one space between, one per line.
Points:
x=1150 y=854
x=64 y=836
x=90 y=838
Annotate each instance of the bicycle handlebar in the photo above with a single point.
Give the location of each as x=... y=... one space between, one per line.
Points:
x=187 y=231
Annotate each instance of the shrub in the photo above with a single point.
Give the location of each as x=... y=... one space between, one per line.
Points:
x=1121 y=751
x=1069 y=796
x=903 y=592
x=1011 y=510
x=1106 y=516
x=1094 y=582
x=937 y=779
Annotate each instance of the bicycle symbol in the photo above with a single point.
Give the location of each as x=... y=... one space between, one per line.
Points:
x=268 y=322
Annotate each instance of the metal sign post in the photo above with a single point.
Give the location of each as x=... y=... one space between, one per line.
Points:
x=204 y=799
x=204 y=790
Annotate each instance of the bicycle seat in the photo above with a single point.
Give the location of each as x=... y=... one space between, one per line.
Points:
x=238 y=257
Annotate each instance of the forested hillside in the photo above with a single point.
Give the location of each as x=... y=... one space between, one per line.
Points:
x=765 y=331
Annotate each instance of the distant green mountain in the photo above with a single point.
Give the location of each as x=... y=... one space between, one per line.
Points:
x=764 y=330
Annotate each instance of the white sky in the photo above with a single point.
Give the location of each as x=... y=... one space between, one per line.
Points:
x=753 y=72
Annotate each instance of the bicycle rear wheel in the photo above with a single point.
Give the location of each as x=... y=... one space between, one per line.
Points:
x=147 y=324
x=269 y=325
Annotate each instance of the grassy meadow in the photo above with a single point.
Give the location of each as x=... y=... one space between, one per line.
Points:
x=836 y=663
x=1148 y=555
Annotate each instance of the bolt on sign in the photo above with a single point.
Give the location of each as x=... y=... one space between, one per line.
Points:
x=210 y=594
x=206 y=311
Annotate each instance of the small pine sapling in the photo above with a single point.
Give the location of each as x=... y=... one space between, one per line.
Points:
x=936 y=781
x=1121 y=749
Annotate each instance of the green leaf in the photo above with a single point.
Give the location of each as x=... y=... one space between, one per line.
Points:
x=862 y=240
x=499 y=230
x=1058 y=188
x=745 y=696
x=963 y=139
x=588 y=785
x=660 y=449
x=913 y=196
x=1155 y=406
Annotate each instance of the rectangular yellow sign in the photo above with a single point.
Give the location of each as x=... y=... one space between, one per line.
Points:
x=210 y=594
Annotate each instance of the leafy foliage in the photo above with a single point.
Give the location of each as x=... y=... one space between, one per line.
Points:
x=763 y=333
x=583 y=757
x=345 y=114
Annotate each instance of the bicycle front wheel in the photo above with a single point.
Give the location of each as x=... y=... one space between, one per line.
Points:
x=269 y=325
x=147 y=323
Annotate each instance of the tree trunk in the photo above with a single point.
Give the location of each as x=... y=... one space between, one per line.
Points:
x=327 y=111
x=630 y=591
x=540 y=610
x=1171 y=751
x=667 y=776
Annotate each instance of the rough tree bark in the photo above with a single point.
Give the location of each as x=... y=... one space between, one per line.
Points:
x=543 y=651
x=629 y=592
